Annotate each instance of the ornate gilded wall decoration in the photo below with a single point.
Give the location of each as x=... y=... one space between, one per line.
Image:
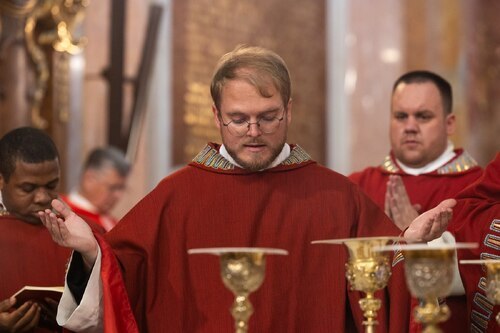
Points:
x=48 y=27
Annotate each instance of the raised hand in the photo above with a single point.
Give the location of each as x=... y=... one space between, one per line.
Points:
x=431 y=224
x=23 y=319
x=397 y=203
x=69 y=230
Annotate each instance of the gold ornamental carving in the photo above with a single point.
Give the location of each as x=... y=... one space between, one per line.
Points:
x=429 y=272
x=47 y=23
x=242 y=270
x=367 y=270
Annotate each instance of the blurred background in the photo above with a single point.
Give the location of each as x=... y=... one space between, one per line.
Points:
x=135 y=74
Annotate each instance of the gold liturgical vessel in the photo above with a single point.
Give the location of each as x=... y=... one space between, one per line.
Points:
x=367 y=270
x=242 y=270
x=429 y=274
x=492 y=279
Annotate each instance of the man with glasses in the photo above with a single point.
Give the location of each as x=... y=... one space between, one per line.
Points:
x=254 y=190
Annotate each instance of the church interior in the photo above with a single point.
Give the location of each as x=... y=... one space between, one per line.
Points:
x=136 y=74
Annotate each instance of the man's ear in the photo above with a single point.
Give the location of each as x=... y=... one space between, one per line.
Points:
x=451 y=123
x=216 y=116
x=289 y=112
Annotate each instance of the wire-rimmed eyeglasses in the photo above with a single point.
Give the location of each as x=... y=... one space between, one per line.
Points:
x=266 y=124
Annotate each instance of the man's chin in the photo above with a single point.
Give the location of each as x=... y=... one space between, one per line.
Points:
x=255 y=166
x=252 y=161
x=30 y=219
x=412 y=160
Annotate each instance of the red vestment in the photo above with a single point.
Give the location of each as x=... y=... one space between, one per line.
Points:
x=29 y=256
x=476 y=218
x=427 y=190
x=211 y=203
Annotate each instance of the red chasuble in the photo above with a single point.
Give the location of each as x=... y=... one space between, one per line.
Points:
x=211 y=203
x=29 y=256
x=428 y=190
x=476 y=218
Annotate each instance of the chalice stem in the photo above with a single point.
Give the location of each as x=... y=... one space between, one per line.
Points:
x=370 y=305
x=370 y=329
x=432 y=329
x=241 y=310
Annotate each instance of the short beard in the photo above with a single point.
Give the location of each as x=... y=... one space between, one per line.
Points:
x=257 y=165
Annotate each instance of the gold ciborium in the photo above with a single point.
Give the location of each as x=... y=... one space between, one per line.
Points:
x=367 y=270
x=242 y=270
x=492 y=279
x=429 y=274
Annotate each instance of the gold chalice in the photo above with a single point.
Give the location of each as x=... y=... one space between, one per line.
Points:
x=242 y=270
x=367 y=270
x=492 y=279
x=429 y=274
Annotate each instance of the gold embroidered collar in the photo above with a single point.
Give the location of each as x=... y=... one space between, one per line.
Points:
x=210 y=157
x=3 y=210
x=462 y=163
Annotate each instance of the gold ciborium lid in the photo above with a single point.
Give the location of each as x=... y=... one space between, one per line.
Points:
x=242 y=271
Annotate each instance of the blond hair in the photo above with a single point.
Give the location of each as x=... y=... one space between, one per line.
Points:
x=256 y=65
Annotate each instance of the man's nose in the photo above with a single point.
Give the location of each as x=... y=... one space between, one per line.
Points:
x=411 y=125
x=254 y=129
x=42 y=196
